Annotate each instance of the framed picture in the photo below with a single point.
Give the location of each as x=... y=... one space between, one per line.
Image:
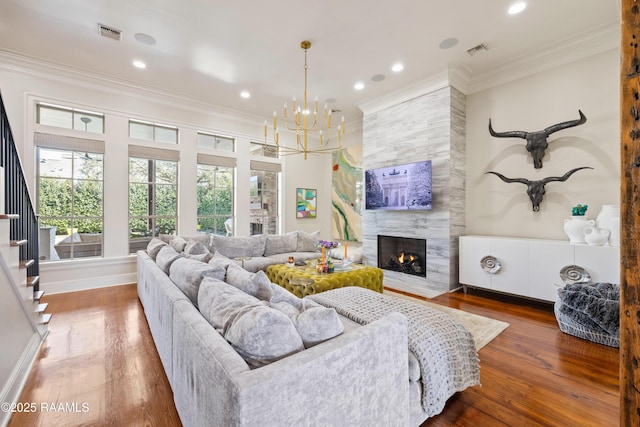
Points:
x=306 y=200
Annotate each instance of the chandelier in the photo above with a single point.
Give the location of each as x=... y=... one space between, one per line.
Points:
x=304 y=122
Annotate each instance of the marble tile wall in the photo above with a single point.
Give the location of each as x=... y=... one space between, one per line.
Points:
x=429 y=127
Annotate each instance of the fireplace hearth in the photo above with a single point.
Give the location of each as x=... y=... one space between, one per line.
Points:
x=402 y=254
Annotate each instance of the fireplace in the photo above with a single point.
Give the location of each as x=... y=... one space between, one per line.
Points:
x=403 y=254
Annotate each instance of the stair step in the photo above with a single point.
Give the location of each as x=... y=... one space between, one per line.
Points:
x=18 y=242
x=32 y=281
x=40 y=308
x=37 y=296
x=46 y=318
x=9 y=216
x=26 y=263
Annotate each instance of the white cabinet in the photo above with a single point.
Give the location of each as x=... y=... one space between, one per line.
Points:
x=531 y=267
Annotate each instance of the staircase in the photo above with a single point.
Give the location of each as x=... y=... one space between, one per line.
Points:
x=19 y=229
x=16 y=271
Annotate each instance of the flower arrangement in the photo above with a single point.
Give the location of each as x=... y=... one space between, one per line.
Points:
x=326 y=244
x=579 y=210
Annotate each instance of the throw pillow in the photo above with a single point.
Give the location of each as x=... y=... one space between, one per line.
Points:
x=235 y=247
x=220 y=260
x=255 y=284
x=166 y=256
x=187 y=274
x=178 y=243
x=198 y=251
x=317 y=324
x=154 y=247
x=307 y=241
x=258 y=333
x=280 y=244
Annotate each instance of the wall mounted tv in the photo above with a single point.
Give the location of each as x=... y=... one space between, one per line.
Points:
x=400 y=187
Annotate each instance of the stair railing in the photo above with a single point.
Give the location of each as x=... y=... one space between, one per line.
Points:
x=17 y=197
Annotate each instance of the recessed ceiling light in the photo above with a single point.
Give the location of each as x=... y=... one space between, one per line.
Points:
x=358 y=86
x=245 y=94
x=139 y=64
x=517 y=8
x=330 y=100
x=397 y=67
x=378 y=77
x=145 y=39
x=448 y=43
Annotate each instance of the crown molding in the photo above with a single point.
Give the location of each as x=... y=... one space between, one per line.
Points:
x=580 y=46
x=59 y=73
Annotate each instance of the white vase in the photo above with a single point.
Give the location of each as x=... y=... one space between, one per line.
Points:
x=614 y=237
x=596 y=236
x=606 y=215
x=574 y=228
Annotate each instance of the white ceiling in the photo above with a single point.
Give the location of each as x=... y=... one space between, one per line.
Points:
x=210 y=51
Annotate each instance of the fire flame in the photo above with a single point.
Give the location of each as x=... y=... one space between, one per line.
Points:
x=401 y=258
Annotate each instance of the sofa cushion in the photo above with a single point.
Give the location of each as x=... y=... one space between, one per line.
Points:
x=307 y=241
x=235 y=247
x=280 y=243
x=314 y=323
x=255 y=284
x=154 y=247
x=317 y=324
x=178 y=243
x=166 y=256
x=259 y=333
x=220 y=260
x=198 y=251
x=187 y=274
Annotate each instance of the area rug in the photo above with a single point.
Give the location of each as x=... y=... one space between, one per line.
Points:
x=482 y=328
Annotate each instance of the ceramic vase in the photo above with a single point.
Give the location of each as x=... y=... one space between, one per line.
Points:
x=574 y=228
x=614 y=237
x=607 y=214
x=596 y=236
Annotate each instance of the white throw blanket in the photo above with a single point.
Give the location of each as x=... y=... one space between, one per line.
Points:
x=444 y=348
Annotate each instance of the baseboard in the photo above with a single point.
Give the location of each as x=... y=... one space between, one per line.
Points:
x=83 y=284
x=11 y=391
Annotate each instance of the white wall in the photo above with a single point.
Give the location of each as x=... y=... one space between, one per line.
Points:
x=494 y=207
x=22 y=83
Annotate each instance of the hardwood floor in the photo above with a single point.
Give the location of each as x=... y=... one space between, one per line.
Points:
x=100 y=361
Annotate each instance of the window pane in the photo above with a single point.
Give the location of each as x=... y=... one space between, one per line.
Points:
x=166 y=172
x=205 y=140
x=55 y=117
x=225 y=144
x=165 y=226
x=224 y=202
x=87 y=165
x=55 y=197
x=88 y=122
x=166 y=200
x=139 y=170
x=139 y=199
x=263 y=150
x=140 y=227
x=87 y=199
x=89 y=226
x=55 y=163
x=141 y=131
x=166 y=135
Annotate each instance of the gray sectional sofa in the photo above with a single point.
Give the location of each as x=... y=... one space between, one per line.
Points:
x=241 y=351
x=359 y=378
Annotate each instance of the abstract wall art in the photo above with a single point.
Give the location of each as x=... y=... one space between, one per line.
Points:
x=306 y=201
x=347 y=194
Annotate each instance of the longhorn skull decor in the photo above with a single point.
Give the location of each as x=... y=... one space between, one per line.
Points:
x=537 y=141
x=535 y=189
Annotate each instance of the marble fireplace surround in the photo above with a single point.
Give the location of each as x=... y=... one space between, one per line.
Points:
x=430 y=126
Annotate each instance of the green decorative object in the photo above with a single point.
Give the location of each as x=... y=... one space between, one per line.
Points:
x=579 y=210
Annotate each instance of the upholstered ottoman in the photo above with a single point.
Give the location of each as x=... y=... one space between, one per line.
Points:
x=590 y=311
x=357 y=275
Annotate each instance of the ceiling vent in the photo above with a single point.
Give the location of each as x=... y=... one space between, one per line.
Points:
x=477 y=49
x=109 y=32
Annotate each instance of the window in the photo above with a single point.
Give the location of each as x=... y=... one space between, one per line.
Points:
x=70 y=197
x=153 y=132
x=215 y=199
x=153 y=195
x=264 y=150
x=216 y=142
x=69 y=118
x=263 y=197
